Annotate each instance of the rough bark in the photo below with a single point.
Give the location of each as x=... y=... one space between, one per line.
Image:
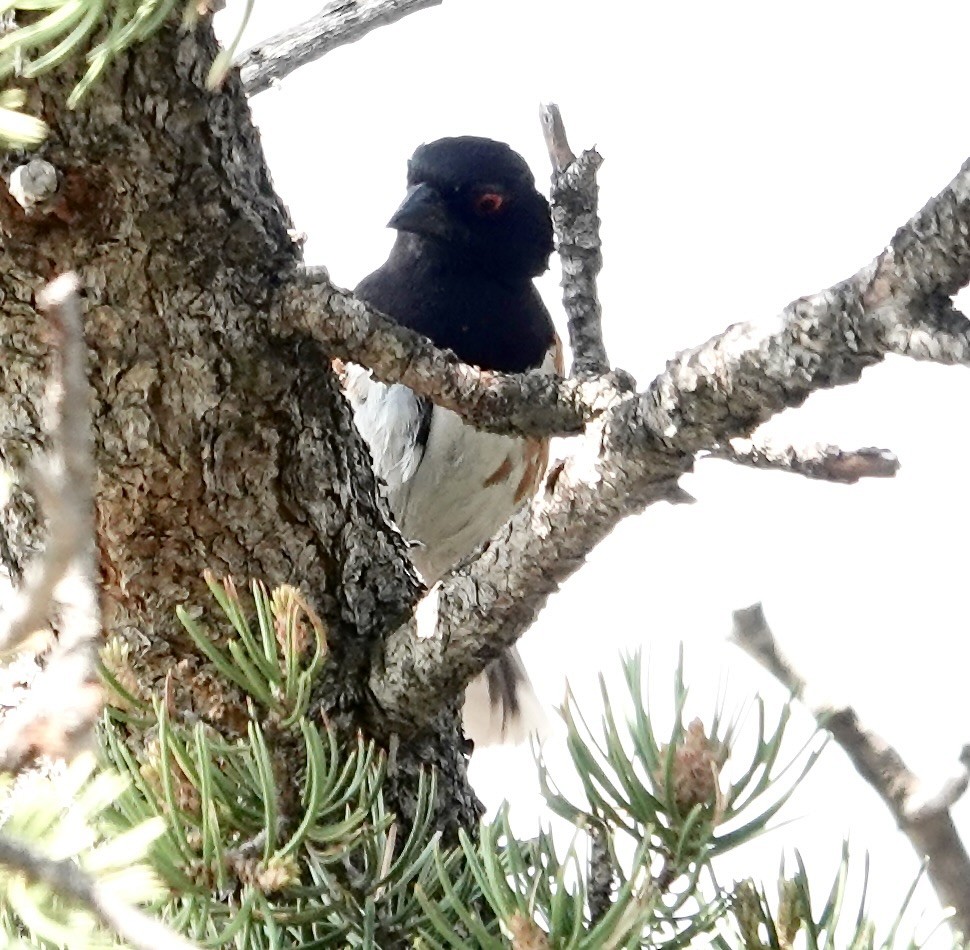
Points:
x=827 y=463
x=223 y=442
x=575 y=215
x=217 y=445
x=532 y=403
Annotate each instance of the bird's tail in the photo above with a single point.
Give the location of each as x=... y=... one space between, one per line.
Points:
x=501 y=706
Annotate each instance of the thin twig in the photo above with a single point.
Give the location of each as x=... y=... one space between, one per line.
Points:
x=899 y=303
x=575 y=204
x=337 y=24
x=63 y=483
x=827 y=463
x=58 y=716
x=601 y=878
x=66 y=879
x=925 y=820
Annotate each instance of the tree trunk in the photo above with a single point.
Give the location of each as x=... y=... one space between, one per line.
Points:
x=218 y=445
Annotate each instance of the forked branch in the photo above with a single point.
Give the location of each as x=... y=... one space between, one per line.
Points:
x=636 y=449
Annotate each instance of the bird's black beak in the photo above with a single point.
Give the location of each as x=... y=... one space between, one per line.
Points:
x=423 y=212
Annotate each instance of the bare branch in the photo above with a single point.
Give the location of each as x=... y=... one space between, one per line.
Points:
x=635 y=451
x=554 y=132
x=752 y=633
x=340 y=22
x=601 y=880
x=65 y=878
x=64 y=702
x=946 y=796
x=708 y=395
x=486 y=606
x=64 y=482
x=932 y=330
x=575 y=203
x=533 y=403
x=734 y=382
x=925 y=820
x=824 y=462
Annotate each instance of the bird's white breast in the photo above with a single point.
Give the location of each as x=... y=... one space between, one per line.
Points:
x=455 y=492
x=449 y=493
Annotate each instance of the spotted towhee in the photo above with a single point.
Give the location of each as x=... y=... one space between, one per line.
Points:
x=473 y=232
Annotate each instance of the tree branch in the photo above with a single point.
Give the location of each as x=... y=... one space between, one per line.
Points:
x=720 y=390
x=487 y=605
x=734 y=382
x=926 y=821
x=340 y=22
x=533 y=403
x=824 y=462
x=557 y=143
x=63 y=483
x=58 y=716
x=636 y=449
x=66 y=879
x=575 y=203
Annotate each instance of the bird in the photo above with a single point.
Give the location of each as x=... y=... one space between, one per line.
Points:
x=473 y=233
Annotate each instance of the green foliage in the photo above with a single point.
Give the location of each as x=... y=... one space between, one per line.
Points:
x=43 y=34
x=252 y=863
x=531 y=890
x=755 y=926
x=71 y=816
x=278 y=835
x=660 y=816
x=656 y=814
x=667 y=790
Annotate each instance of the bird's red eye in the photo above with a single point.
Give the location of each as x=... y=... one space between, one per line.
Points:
x=489 y=203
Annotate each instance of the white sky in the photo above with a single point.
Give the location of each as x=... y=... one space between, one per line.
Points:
x=755 y=152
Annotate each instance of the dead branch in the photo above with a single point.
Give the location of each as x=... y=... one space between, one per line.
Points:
x=827 y=463
x=337 y=24
x=58 y=716
x=65 y=878
x=557 y=143
x=487 y=605
x=575 y=203
x=924 y=820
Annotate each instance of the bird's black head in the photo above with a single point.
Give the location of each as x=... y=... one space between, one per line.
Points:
x=477 y=198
